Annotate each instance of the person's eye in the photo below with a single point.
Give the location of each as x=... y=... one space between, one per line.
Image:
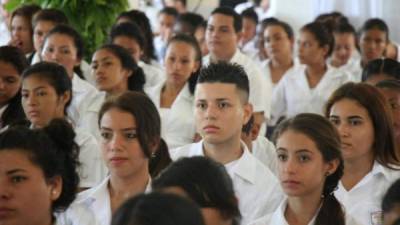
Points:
x=106 y=135
x=24 y=95
x=201 y=105
x=355 y=122
x=18 y=179
x=394 y=106
x=65 y=51
x=94 y=66
x=304 y=158
x=49 y=50
x=334 y=121
x=10 y=80
x=223 y=105
x=41 y=93
x=282 y=157
x=131 y=135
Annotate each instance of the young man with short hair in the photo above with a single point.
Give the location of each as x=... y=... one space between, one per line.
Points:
x=222 y=108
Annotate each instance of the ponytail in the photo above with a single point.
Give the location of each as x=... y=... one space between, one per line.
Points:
x=331 y=212
x=136 y=80
x=63 y=135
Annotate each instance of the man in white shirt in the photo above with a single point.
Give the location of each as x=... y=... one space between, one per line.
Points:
x=221 y=109
x=224 y=29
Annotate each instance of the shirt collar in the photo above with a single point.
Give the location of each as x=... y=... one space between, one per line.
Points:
x=245 y=167
x=77 y=84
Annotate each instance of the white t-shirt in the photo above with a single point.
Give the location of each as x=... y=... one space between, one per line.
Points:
x=256 y=187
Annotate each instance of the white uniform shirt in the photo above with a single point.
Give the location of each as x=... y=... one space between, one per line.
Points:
x=293 y=94
x=89 y=117
x=266 y=71
x=278 y=218
x=353 y=67
x=250 y=49
x=363 y=201
x=97 y=201
x=92 y=169
x=83 y=94
x=177 y=124
x=265 y=151
x=257 y=189
x=76 y=214
x=260 y=87
x=153 y=74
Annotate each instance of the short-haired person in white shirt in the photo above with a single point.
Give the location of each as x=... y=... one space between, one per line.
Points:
x=373 y=40
x=278 y=42
x=224 y=29
x=345 y=50
x=64 y=45
x=174 y=97
x=130 y=129
x=128 y=35
x=115 y=72
x=221 y=109
x=248 y=39
x=308 y=87
x=46 y=95
x=309 y=167
x=371 y=163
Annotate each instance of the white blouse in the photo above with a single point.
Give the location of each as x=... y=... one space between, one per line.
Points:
x=293 y=94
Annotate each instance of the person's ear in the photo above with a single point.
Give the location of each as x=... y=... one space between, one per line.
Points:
x=332 y=166
x=55 y=187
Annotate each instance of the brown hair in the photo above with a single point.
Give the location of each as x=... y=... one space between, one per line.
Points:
x=369 y=97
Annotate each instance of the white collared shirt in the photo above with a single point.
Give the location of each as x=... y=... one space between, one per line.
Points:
x=250 y=49
x=76 y=214
x=260 y=87
x=363 y=201
x=293 y=94
x=97 y=201
x=153 y=75
x=92 y=169
x=353 y=67
x=265 y=151
x=278 y=217
x=83 y=94
x=266 y=71
x=257 y=189
x=177 y=124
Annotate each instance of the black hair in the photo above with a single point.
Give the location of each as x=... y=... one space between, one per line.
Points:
x=148 y=122
x=285 y=26
x=139 y=18
x=237 y=19
x=129 y=30
x=160 y=160
x=137 y=79
x=53 y=15
x=67 y=30
x=55 y=75
x=375 y=23
x=171 y=11
x=190 y=40
x=345 y=28
x=322 y=35
x=158 y=208
x=15 y=57
x=53 y=150
x=387 y=66
x=228 y=73
x=396 y=222
x=391 y=198
x=327 y=140
x=332 y=20
x=191 y=21
x=205 y=181
x=250 y=14
x=246 y=129
x=26 y=11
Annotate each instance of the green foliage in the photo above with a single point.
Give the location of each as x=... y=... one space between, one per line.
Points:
x=92 y=18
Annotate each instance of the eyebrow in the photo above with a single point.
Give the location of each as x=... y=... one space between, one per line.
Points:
x=15 y=171
x=124 y=129
x=296 y=151
x=349 y=117
x=35 y=89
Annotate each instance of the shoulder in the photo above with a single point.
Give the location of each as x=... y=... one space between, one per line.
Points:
x=184 y=151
